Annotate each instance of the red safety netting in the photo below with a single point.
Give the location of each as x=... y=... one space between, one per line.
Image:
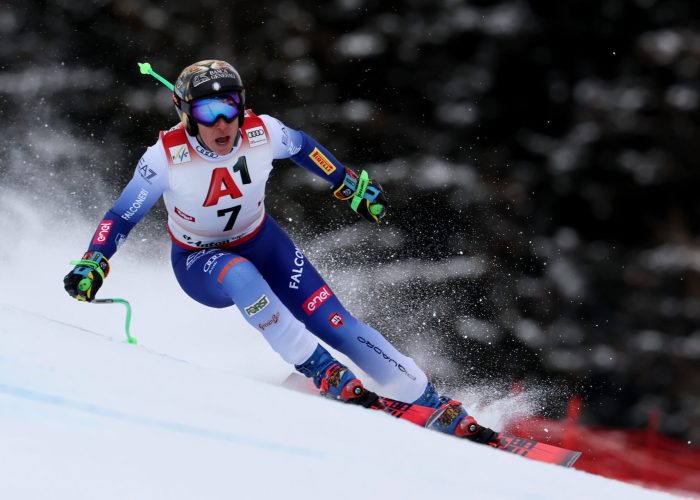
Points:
x=642 y=457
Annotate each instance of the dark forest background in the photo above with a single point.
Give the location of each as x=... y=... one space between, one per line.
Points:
x=540 y=159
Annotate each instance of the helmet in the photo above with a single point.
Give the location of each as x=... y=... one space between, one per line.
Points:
x=205 y=78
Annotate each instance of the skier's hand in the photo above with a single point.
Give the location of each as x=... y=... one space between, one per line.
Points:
x=87 y=276
x=372 y=206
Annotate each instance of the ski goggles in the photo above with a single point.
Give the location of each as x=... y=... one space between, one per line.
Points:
x=208 y=109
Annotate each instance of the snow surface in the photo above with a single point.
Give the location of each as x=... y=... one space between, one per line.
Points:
x=197 y=410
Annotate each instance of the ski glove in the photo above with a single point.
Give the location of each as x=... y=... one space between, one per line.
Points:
x=87 y=276
x=366 y=196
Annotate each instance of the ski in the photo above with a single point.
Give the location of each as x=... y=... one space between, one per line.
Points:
x=535 y=450
x=529 y=448
x=423 y=415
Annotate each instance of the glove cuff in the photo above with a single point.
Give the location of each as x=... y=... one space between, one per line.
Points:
x=346 y=189
x=94 y=260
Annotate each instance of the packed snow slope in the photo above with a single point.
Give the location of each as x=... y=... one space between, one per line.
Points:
x=196 y=410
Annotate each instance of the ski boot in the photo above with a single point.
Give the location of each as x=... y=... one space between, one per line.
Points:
x=450 y=417
x=336 y=381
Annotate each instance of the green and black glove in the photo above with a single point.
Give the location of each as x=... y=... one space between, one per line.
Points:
x=87 y=276
x=365 y=195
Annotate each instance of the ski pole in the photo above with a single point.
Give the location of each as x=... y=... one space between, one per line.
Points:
x=127 y=324
x=147 y=70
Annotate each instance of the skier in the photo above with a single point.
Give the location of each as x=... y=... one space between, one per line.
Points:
x=211 y=170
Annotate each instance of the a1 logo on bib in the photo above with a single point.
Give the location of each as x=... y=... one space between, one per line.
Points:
x=180 y=154
x=256 y=136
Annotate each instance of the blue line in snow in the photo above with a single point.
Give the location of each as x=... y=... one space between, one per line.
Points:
x=156 y=423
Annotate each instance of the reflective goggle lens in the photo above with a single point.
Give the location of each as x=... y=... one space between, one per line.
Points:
x=208 y=109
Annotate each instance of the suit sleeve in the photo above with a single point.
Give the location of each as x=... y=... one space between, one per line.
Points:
x=303 y=150
x=149 y=182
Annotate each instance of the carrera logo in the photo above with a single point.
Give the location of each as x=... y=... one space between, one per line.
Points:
x=184 y=215
x=256 y=136
x=317 y=299
x=336 y=320
x=102 y=232
x=258 y=306
x=180 y=154
x=322 y=162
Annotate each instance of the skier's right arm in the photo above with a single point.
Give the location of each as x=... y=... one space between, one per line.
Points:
x=138 y=197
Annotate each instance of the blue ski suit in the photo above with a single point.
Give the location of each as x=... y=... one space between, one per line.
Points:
x=227 y=250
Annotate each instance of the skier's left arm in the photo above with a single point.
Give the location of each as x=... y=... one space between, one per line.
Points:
x=150 y=180
x=308 y=153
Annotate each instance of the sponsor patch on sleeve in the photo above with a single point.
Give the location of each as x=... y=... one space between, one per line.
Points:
x=145 y=171
x=256 y=136
x=102 y=232
x=322 y=161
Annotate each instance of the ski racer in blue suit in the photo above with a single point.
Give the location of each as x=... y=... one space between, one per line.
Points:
x=211 y=170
